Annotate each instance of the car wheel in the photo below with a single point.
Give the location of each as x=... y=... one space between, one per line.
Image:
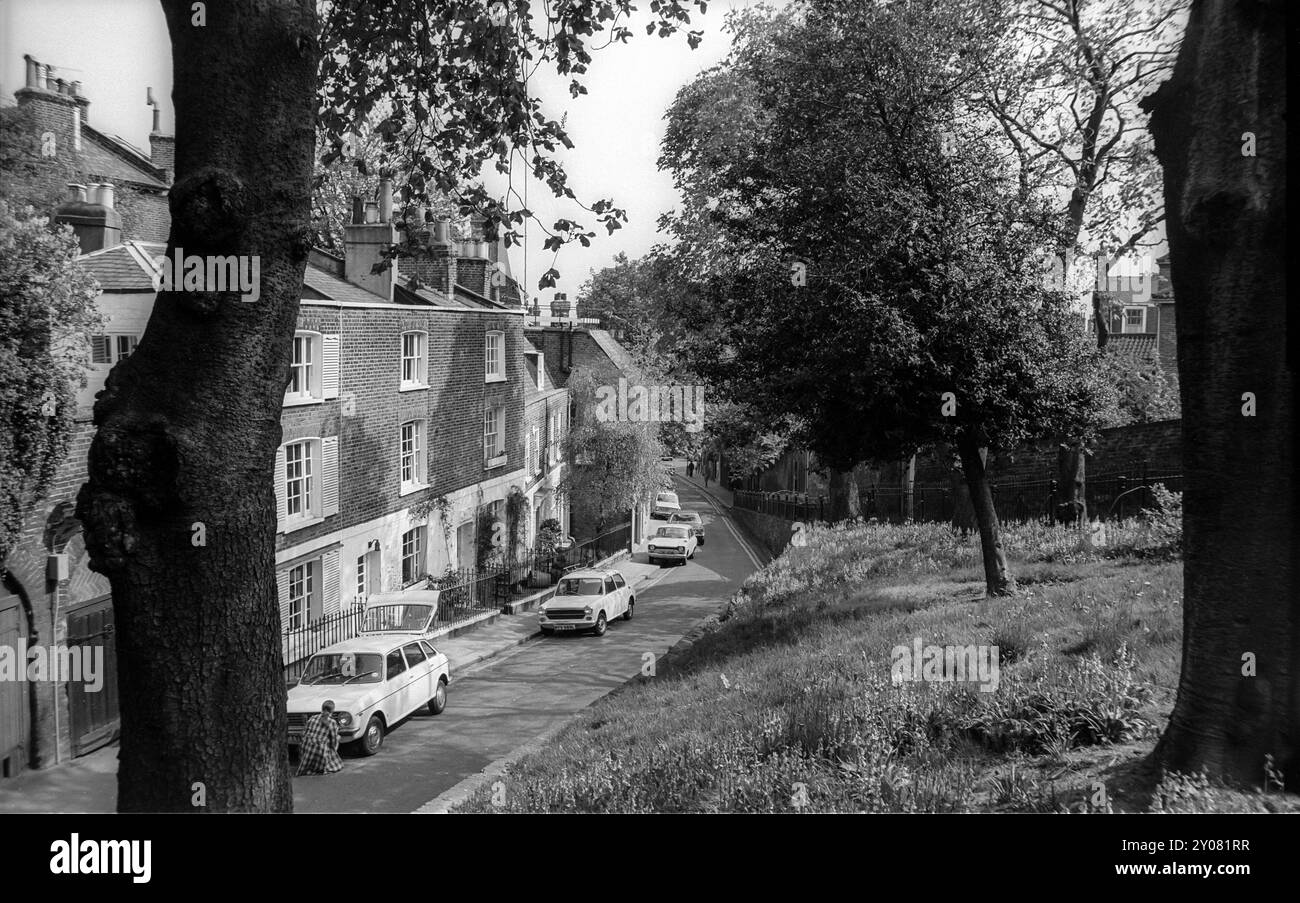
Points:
x=651 y=559
x=439 y=701
x=692 y=555
x=627 y=615
x=601 y=626
x=373 y=738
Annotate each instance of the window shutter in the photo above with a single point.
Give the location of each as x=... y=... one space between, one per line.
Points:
x=424 y=358
x=99 y=349
x=330 y=582
x=330 y=366
x=281 y=506
x=282 y=587
x=329 y=475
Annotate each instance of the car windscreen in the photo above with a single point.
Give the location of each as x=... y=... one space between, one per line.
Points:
x=343 y=668
x=580 y=586
x=396 y=617
x=673 y=532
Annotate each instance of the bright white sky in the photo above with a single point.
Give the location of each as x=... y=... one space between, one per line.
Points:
x=116 y=48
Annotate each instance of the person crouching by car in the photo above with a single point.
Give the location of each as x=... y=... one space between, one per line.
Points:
x=320 y=743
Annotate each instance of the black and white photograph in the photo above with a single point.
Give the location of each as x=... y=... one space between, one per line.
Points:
x=646 y=407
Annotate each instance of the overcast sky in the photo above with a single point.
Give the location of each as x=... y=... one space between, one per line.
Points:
x=116 y=48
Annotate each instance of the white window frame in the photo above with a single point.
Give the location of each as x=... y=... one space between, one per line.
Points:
x=411 y=445
x=305 y=469
x=494 y=356
x=413 y=547
x=306 y=585
x=114 y=343
x=541 y=368
x=363 y=578
x=494 y=424
x=1124 y=323
x=418 y=362
x=312 y=369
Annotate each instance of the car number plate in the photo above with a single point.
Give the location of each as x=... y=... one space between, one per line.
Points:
x=564 y=627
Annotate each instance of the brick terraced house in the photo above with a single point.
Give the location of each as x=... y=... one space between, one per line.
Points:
x=413 y=384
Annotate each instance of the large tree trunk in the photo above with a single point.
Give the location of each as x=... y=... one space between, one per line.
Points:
x=1239 y=694
x=842 y=489
x=974 y=456
x=190 y=423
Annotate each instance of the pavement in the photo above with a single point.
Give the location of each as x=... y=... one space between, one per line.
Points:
x=511 y=690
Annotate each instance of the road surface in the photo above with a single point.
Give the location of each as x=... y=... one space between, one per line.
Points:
x=509 y=700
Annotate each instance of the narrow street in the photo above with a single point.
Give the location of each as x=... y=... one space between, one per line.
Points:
x=493 y=707
x=510 y=699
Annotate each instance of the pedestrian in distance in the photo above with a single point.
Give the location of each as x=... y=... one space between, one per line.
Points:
x=320 y=743
x=690 y=468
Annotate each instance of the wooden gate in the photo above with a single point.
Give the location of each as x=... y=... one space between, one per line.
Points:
x=15 y=714
x=94 y=715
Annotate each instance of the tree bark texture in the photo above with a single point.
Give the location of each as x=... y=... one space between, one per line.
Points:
x=179 y=507
x=1239 y=693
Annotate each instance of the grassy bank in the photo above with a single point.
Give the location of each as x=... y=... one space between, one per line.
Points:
x=789 y=702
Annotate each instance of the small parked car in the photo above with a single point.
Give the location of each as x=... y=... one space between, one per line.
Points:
x=587 y=599
x=376 y=680
x=692 y=520
x=675 y=542
x=665 y=504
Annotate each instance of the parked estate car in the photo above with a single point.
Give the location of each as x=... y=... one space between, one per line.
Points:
x=376 y=678
x=665 y=504
x=587 y=599
x=691 y=519
x=675 y=542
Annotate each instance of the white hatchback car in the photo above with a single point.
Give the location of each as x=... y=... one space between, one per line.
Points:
x=665 y=505
x=375 y=679
x=675 y=542
x=587 y=599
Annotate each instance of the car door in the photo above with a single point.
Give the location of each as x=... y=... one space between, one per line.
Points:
x=398 y=677
x=624 y=591
x=421 y=685
x=611 y=600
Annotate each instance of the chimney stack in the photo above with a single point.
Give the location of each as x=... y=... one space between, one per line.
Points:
x=562 y=310
x=366 y=240
x=96 y=224
x=162 y=148
x=56 y=105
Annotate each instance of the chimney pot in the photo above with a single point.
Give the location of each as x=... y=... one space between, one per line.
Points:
x=50 y=84
x=33 y=71
x=372 y=213
x=76 y=192
x=76 y=89
x=105 y=196
x=157 y=121
x=385 y=200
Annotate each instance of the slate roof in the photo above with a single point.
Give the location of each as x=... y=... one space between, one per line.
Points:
x=124 y=267
x=112 y=158
x=128 y=268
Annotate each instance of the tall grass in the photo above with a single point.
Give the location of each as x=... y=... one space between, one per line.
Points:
x=808 y=716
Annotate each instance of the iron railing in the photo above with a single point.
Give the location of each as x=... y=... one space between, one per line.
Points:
x=466 y=594
x=1110 y=496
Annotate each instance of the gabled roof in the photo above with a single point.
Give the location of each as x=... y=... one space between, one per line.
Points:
x=124 y=268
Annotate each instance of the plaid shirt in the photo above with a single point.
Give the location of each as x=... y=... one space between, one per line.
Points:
x=320 y=744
